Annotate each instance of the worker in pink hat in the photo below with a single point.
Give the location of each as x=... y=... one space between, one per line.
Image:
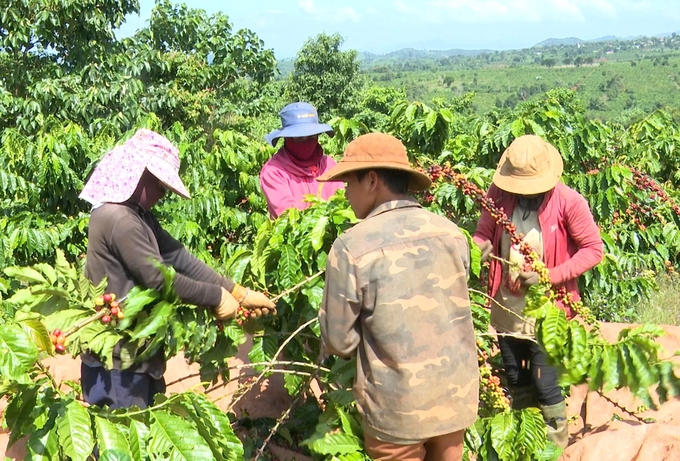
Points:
x=126 y=241
x=291 y=173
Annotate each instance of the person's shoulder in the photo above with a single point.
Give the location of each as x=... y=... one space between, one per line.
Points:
x=350 y=233
x=328 y=161
x=279 y=159
x=343 y=244
x=390 y=227
x=568 y=193
x=440 y=222
x=125 y=216
x=278 y=164
x=352 y=238
x=112 y=212
x=114 y=219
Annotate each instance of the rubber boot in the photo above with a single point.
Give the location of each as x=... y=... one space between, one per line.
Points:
x=523 y=397
x=555 y=417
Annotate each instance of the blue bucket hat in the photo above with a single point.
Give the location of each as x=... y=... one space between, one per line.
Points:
x=298 y=119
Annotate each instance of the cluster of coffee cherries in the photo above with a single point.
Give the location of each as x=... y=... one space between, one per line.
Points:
x=114 y=311
x=473 y=191
x=492 y=396
x=647 y=184
x=242 y=315
x=637 y=212
x=499 y=216
x=535 y=264
x=567 y=300
x=59 y=341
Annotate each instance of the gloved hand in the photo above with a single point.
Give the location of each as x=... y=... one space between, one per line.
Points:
x=528 y=279
x=227 y=308
x=486 y=247
x=257 y=303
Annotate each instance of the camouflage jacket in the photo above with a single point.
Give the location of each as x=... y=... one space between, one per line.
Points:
x=396 y=296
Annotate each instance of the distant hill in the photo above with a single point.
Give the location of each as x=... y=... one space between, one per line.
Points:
x=569 y=41
x=608 y=38
x=286 y=65
x=368 y=59
x=411 y=53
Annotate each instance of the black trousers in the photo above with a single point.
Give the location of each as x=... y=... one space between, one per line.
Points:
x=526 y=364
x=118 y=388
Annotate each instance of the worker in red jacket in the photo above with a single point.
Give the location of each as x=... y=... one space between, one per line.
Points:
x=557 y=223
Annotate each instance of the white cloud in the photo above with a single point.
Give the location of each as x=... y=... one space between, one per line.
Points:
x=331 y=14
x=605 y=7
x=402 y=7
x=520 y=11
x=307 y=6
x=566 y=9
x=471 y=11
x=349 y=12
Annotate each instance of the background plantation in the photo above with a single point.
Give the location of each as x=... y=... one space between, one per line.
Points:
x=70 y=90
x=615 y=79
x=613 y=90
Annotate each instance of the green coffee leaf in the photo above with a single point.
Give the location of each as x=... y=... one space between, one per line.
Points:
x=18 y=353
x=158 y=317
x=36 y=330
x=174 y=437
x=75 y=432
x=110 y=437
x=114 y=455
x=139 y=436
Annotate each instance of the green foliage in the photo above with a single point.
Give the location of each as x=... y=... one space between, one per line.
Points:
x=70 y=91
x=326 y=77
x=45 y=38
x=291 y=250
x=59 y=427
x=511 y=436
x=60 y=297
x=338 y=431
x=185 y=66
x=63 y=428
x=421 y=128
x=582 y=355
x=18 y=352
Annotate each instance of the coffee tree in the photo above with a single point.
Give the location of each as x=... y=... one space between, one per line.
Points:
x=66 y=98
x=325 y=76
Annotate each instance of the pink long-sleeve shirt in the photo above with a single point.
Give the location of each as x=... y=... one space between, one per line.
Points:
x=285 y=183
x=571 y=239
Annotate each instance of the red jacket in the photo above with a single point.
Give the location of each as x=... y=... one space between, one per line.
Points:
x=571 y=239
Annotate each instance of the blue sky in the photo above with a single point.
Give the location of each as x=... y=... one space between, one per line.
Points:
x=380 y=26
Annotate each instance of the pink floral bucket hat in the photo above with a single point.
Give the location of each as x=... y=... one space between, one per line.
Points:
x=116 y=176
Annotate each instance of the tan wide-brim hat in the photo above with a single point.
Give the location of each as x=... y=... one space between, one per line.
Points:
x=528 y=166
x=376 y=150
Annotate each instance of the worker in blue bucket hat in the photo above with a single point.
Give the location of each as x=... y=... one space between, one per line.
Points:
x=291 y=173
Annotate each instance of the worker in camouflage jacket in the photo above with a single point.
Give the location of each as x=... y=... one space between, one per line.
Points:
x=396 y=297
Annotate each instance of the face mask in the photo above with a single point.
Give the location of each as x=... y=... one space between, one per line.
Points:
x=530 y=202
x=301 y=150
